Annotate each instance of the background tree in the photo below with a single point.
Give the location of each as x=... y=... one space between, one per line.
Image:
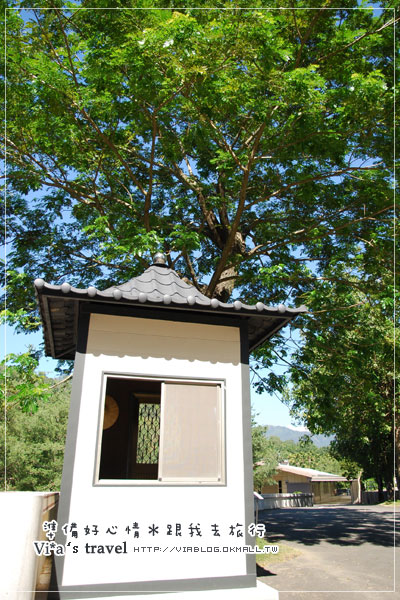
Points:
x=269 y=452
x=252 y=145
x=345 y=385
x=262 y=453
x=31 y=457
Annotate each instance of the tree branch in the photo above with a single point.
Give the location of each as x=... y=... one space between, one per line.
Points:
x=315 y=178
x=368 y=33
x=58 y=383
x=225 y=144
x=327 y=233
x=147 y=200
x=303 y=39
x=235 y=225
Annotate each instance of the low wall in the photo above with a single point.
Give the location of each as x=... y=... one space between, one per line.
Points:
x=22 y=515
x=284 y=501
x=373 y=497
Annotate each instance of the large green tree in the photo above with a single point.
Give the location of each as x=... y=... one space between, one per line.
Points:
x=344 y=375
x=31 y=455
x=265 y=457
x=252 y=145
x=240 y=141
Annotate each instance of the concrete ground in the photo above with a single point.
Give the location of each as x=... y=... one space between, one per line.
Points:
x=346 y=552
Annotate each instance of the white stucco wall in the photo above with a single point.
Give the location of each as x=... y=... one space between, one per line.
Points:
x=20 y=526
x=165 y=349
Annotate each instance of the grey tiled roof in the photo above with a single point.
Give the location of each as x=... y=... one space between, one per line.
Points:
x=158 y=287
x=158 y=283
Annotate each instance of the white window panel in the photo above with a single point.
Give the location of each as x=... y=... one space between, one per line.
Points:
x=191 y=440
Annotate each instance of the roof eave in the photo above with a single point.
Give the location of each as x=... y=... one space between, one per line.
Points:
x=45 y=292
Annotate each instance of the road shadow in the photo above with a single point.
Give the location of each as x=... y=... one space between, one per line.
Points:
x=261 y=572
x=350 y=526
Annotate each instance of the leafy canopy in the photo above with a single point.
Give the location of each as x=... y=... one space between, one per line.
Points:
x=242 y=142
x=252 y=145
x=32 y=456
x=344 y=373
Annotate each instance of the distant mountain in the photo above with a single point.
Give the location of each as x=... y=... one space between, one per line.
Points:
x=286 y=433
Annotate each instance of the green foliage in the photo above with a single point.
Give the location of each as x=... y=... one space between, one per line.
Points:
x=253 y=146
x=269 y=452
x=20 y=319
x=344 y=372
x=370 y=485
x=262 y=473
x=306 y=454
x=235 y=139
x=21 y=383
x=31 y=454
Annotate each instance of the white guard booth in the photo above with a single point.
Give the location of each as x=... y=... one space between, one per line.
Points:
x=157 y=492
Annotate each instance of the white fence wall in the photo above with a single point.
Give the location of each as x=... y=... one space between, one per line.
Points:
x=21 y=524
x=284 y=501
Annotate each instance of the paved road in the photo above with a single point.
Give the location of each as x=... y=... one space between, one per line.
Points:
x=343 y=549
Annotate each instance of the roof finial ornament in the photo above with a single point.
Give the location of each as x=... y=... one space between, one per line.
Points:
x=159 y=259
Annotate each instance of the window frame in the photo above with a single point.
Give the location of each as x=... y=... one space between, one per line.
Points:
x=187 y=481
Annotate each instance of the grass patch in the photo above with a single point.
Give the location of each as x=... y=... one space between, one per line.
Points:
x=390 y=503
x=285 y=553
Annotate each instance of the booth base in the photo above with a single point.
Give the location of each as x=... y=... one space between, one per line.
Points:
x=260 y=592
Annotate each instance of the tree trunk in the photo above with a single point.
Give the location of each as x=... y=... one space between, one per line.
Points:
x=397 y=454
x=356 y=489
x=224 y=289
x=380 y=488
x=390 y=489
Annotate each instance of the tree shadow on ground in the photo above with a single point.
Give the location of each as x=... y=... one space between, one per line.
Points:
x=350 y=526
x=261 y=572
